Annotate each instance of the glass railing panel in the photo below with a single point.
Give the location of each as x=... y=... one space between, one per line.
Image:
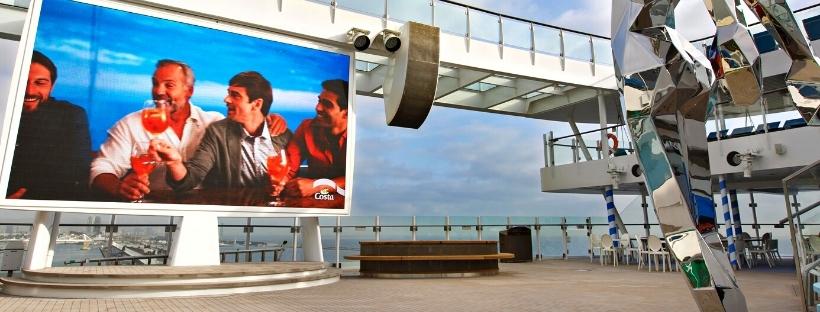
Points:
x=547 y=40
x=603 y=51
x=484 y=26
x=578 y=241
x=451 y=18
x=370 y=7
x=577 y=47
x=410 y=10
x=516 y=33
x=395 y=228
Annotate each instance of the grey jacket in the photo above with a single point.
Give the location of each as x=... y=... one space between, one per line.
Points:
x=217 y=160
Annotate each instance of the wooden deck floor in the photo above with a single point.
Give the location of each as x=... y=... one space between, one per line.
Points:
x=549 y=285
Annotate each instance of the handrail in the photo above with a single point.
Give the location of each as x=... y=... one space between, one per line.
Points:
x=277 y=253
x=800 y=212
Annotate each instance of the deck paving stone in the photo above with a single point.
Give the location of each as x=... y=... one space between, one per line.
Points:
x=549 y=285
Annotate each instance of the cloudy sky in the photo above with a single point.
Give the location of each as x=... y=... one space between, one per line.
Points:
x=465 y=163
x=469 y=163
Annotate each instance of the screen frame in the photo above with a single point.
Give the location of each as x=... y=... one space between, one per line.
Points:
x=14 y=107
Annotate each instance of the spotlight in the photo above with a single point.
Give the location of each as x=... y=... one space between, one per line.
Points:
x=392 y=43
x=359 y=38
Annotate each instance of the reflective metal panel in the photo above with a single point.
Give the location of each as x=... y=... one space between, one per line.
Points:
x=803 y=78
x=665 y=84
x=734 y=55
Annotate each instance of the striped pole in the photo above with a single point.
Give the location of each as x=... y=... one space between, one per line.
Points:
x=724 y=200
x=610 y=215
x=735 y=212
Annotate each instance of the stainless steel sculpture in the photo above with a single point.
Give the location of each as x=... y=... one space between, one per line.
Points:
x=735 y=59
x=665 y=84
x=803 y=77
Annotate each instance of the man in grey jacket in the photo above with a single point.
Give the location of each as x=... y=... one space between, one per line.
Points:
x=234 y=150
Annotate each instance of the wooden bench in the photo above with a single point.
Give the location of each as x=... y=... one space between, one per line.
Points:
x=414 y=259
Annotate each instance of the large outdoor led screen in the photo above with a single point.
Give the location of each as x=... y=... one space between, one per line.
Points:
x=152 y=112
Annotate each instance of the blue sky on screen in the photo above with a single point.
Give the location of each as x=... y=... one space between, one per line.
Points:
x=115 y=52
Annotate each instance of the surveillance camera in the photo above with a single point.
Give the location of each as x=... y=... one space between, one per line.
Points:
x=392 y=43
x=359 y=38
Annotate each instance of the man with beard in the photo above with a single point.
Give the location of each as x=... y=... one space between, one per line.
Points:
x=173 y=85
x=322 y=142
x=234 y=151
x=53 y=144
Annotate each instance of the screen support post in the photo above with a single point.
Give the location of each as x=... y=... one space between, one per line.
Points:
x=196 y=241
x=40 y=250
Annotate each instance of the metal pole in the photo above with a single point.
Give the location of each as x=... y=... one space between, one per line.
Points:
x=478 y=227
x=446 y=227
x=603 y=123
x=735 y=212
x=564 y=238
x=169 y=236
x=538 y=238
x=796 y=216
x=414 y=228
x=295 y=231
x=338 y=232
x=644 y=205
x=248 y=234
x=111 y=232
x=589 y=238
x=509 y=223
x=753 y=205
x=377 y=229
x=727 y=219
x=610 y=215
x=551 y=147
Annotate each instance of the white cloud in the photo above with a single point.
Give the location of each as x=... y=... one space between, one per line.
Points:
x=81 y=49
x=119 y=58
x=591 y=16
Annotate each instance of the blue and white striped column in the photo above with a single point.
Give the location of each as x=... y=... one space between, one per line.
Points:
x=735 y=212
x=610 y=215
x=727 y=217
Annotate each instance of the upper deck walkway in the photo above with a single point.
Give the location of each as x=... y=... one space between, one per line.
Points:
x=550 y=285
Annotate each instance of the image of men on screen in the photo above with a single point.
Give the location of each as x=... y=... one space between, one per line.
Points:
x=321 y=142
x=234 y=151
x=184 y=126
x=53 y=147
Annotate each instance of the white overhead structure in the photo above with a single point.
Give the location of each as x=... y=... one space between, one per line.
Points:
x=474 y=74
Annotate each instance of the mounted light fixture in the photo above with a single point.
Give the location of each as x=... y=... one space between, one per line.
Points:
x=359 y=38
x=392 y=42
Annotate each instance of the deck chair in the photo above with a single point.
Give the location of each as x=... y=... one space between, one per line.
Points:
x=608 y=249
x=594 y=247
x=655 y=249
x=763 y=251
x=627 y=248
x=641 y=252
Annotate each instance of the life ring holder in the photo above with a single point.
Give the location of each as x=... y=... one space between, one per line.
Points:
x=614 y=138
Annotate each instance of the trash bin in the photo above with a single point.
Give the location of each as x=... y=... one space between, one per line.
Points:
x=518 y=241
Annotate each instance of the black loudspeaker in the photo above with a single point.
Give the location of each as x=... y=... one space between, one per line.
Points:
x=410 y=84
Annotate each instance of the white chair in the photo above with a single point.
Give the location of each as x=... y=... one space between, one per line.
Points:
x=740 y=252
x=627 y=248
x=641 y=251
x=655 y=249
x=607 y=249
x=594 y=247
x=764 y=250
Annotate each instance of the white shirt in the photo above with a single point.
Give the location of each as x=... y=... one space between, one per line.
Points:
x=115 y=153
x=255 y=151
